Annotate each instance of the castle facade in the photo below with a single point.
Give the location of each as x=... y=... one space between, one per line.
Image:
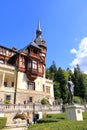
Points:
x=22 y=73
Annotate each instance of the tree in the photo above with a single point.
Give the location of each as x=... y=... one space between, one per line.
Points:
x=48 y=74
x=57 y=94
x=61 y=76
x=53 y=67
x=83 y=86
x=77 y=73
x=80 y=82
x=52 y=70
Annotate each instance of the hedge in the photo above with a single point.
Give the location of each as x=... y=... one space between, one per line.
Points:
x=3 y=121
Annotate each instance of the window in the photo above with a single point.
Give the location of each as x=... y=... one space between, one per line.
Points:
x=43 y=87
x=30 y=64
x=30 y=85
x=47 y=89
x=34 y=64
x=35 y=51
x=5 y=84
x=12 y=84
x=8 y=84
x=1 y=61
x=40 y=68
x=22 y=62
x=30 y=99
x=8 y=97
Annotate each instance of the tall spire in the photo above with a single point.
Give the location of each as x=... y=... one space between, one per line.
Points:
x=38 y=31
x=39 y=40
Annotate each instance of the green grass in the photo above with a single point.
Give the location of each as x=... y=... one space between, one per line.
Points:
x=60 y=123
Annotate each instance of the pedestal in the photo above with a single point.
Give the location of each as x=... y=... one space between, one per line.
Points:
x=74 y=112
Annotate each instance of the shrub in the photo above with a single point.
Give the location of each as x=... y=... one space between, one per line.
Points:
x=77 y=100
x=44 y=101
x=52 y=118
x=47 y=120
x=6 y=101
x=3 y=121
x=21 y=116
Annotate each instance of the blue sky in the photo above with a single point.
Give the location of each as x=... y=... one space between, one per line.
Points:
x=63 y=23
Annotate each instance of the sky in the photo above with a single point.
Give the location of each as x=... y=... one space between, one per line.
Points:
x=63 y=25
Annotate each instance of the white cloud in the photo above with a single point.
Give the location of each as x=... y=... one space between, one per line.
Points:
x=80 y=55
x=74 y=51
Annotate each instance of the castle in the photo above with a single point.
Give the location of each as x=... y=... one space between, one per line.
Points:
x=22 y=73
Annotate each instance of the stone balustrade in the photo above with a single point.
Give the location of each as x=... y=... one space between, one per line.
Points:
x=27 y=107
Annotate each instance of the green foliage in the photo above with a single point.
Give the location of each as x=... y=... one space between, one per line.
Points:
x=52 y=118
x=3 y=121
x=21 y=116
x=57 y=93
x=77 y=100
x=6 y=101
x=47 y=120
x=85 y=115
x=44 y=101
x=53 y=67
x=60 y=123
x=51 y=71
x=60 y=77
x=80 y=82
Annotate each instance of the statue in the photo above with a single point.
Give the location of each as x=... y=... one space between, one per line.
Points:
x=70 y=87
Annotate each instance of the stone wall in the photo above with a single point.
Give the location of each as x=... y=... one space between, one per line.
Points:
x=11 y=115
x=24 y=96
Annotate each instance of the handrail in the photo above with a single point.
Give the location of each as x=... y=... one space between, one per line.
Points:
x=28 y=107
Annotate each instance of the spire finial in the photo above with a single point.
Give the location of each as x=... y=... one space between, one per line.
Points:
x=38 y=26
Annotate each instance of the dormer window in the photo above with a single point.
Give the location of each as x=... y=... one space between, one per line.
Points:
x=35 y=51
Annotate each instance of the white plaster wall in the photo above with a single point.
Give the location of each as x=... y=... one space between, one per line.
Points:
x=39 y=83
x=22 y=80
x=50 y=84
x=22 y=83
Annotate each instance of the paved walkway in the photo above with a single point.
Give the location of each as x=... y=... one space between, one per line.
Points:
x=19 y=128
x=16 y=127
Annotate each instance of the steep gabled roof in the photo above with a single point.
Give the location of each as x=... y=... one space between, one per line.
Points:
x=30 y=44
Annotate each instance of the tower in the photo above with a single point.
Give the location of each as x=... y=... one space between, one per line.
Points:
x=41 y=43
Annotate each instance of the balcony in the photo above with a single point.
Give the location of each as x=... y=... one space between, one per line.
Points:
x=5 y=66
x=34 y=55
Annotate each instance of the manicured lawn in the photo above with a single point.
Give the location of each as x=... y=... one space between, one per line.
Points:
x=59 y=122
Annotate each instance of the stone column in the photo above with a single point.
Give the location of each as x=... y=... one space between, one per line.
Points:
x=3 y=79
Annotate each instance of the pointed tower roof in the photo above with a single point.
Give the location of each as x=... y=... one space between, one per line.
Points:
x=38 y=31
x=39 y=40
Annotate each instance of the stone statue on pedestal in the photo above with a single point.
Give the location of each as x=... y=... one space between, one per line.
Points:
x=70 y=87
